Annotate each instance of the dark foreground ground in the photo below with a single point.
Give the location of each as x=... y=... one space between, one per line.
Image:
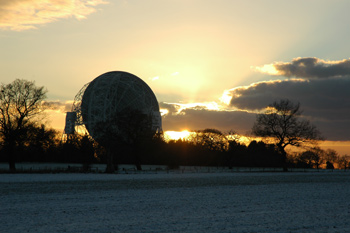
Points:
x=196 y=202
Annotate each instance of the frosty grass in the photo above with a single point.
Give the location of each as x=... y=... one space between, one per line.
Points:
x=199 y=202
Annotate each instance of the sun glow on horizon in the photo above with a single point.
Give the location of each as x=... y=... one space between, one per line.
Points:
x=176 y=135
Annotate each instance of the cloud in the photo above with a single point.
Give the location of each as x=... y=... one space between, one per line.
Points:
x=308 y=68
x=203 y=115
x=321 y=87
x=19 y=15
x=326 y=102
x=177 y=108
x=172 y=108
x=58 y=106
x=197 y=119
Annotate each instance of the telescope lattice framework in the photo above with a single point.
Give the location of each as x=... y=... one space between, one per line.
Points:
x=106 y=96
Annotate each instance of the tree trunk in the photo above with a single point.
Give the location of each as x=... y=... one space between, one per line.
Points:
x=138 y=167
x=137 y=162
x=284 y=159
x=12 y=165
x=110 y=164
x=136 y=150
x=11 y=157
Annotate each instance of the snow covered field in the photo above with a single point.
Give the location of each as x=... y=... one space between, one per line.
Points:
x=195 y=202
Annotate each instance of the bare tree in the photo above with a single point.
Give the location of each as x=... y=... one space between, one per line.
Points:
x=282 y=123
x=20 y=102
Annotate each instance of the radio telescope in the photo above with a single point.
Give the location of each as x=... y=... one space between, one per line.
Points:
x=106 y=98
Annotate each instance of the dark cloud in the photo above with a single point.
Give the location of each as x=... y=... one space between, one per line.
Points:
x=311 y=67
x=172 y=108
x=196 y=119
x=326 y=102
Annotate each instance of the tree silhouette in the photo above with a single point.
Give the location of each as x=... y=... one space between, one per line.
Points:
x=311 y=158
x=20 y=102
x=210 y=139
x=210 y=145
x=124 y=135
x=87 y=151
x=236 y=154
x=331 y=157
x=281 y=122
x=344 y=161
x=38 y=142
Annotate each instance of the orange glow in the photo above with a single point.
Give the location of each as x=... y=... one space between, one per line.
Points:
x=342 y=147
x=176 y=135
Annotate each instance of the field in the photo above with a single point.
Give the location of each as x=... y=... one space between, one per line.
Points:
x=172 y=202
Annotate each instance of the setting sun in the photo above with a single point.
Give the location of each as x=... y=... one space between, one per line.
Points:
x=176 y=135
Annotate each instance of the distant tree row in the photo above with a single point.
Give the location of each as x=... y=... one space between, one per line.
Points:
x=318 y=158
x=23 y=138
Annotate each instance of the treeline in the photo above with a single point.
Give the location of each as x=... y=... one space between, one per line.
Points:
x=46 y=145
x=195 y=151
x=208 y=147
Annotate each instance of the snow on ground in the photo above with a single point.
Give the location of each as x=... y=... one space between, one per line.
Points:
x=192 y=202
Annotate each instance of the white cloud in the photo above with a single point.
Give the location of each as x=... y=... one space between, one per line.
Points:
x=19 y=15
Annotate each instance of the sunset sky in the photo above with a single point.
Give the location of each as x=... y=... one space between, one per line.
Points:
x=211 y=64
